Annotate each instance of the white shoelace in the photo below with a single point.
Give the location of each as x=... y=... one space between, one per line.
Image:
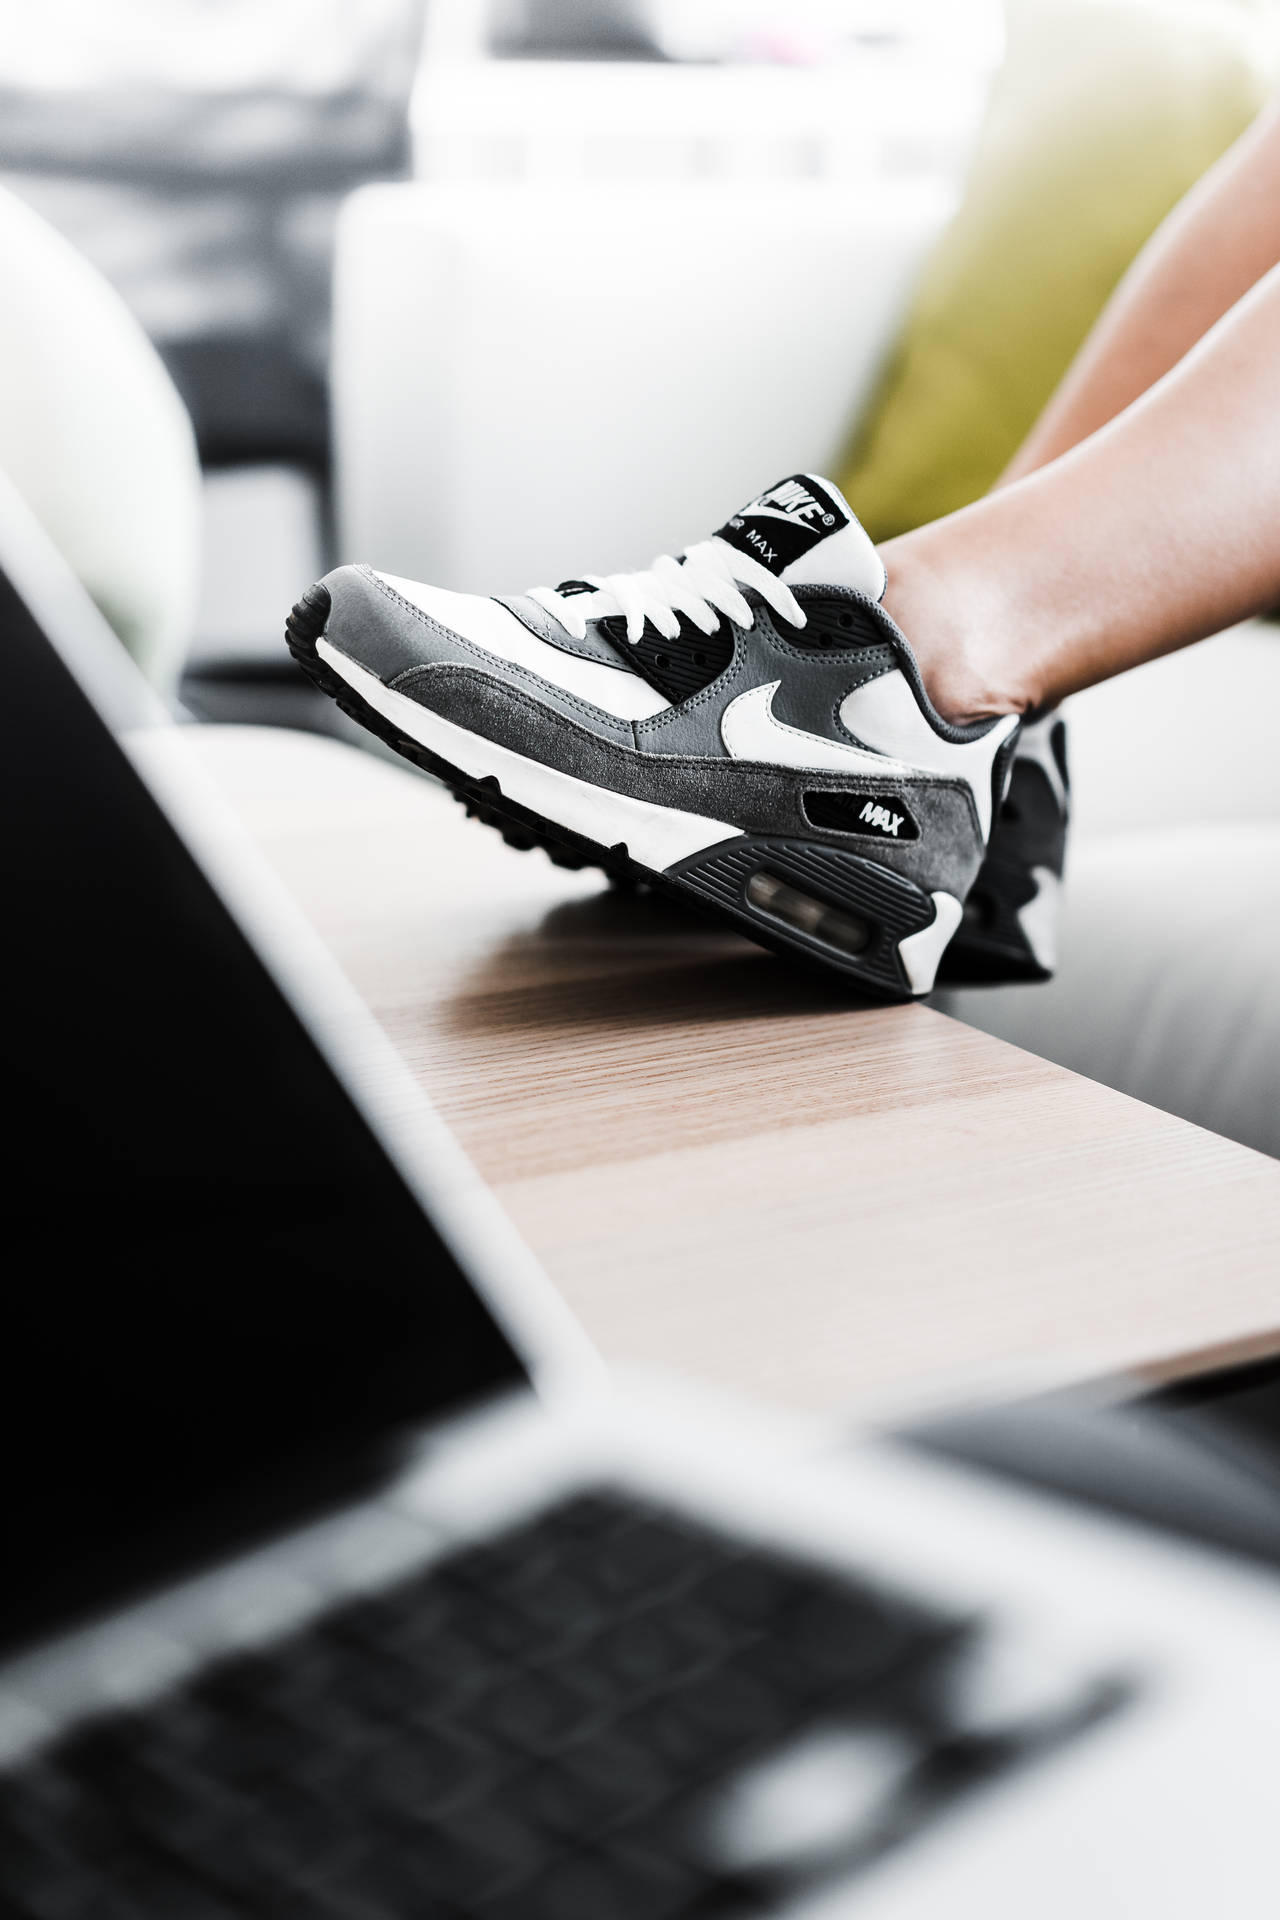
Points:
x=705 y=585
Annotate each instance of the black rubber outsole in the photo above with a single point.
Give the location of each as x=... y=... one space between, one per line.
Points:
x=712 y=883
x=990 y=949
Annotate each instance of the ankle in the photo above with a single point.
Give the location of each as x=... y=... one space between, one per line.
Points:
x=959 y=629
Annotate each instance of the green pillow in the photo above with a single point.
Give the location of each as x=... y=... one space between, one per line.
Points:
x=1102 y=117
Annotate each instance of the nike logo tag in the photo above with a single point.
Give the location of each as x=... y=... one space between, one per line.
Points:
x=792 y=501
x=876 y=816
x=751 y=731
x=785 y=522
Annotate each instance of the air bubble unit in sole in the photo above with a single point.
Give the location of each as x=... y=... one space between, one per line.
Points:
x=802 y=912
x=848 y=912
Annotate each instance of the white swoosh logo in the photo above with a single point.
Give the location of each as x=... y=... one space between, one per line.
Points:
x=750 y=732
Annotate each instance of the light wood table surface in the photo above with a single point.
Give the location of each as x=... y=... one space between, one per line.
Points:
x=726 y=1166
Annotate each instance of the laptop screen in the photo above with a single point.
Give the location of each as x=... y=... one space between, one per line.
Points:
x=223 y=1307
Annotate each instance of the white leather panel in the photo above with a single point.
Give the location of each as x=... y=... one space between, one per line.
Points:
x=751 y=732
x=495 y=628
x=1039 y=918
x=884 y=714
x=844 y=559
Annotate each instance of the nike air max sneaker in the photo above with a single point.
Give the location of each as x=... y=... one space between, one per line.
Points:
x=743 y=726
x=1009 y=929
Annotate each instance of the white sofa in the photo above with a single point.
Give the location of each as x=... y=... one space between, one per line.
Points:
x=621 y=296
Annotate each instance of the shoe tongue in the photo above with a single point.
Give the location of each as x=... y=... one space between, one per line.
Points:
x=804 y=530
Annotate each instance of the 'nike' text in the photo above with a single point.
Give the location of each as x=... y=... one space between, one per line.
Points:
x=791 y=500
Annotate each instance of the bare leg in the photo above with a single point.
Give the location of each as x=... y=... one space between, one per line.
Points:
x=1156 y=529
x=1216 y=244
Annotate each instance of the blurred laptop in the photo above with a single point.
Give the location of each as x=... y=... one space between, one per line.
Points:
x=341 y=1583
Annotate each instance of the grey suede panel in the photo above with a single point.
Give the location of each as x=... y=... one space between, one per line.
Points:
x=754 y=798
x=377 y=628
x=592 y=646
x=813 y=686
x=374 y=626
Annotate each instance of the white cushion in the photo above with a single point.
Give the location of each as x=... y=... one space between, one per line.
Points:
x=494 y=627
x=95 y=438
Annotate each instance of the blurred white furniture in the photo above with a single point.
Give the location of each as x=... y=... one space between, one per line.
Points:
x=261 y=545
x=623 y=296
x=539 y=377
x=189 y=570
x=96 y=440
x=1169 y=983
x=891 y=112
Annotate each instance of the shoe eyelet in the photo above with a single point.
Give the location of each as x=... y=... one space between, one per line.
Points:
x=846 y=620
x=699 y=659
x=661 y=660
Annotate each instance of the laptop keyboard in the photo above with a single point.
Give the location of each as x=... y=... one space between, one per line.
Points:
x=539 y=1728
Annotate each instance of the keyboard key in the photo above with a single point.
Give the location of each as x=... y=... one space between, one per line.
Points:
x=420 y=1778
x=561 y=1608
x=564 y=1804
x=735 y=1711
x=663 y=1649
x=624 y=1774
x=537 y=1713
x=647 y=1559
x=580 y=1888
x=751 y=1590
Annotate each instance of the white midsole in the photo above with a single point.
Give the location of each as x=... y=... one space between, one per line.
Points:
x=921 y=952
x=658 y=837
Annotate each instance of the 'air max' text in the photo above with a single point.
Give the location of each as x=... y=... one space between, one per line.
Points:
x=880 y=817
x=767 y=553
